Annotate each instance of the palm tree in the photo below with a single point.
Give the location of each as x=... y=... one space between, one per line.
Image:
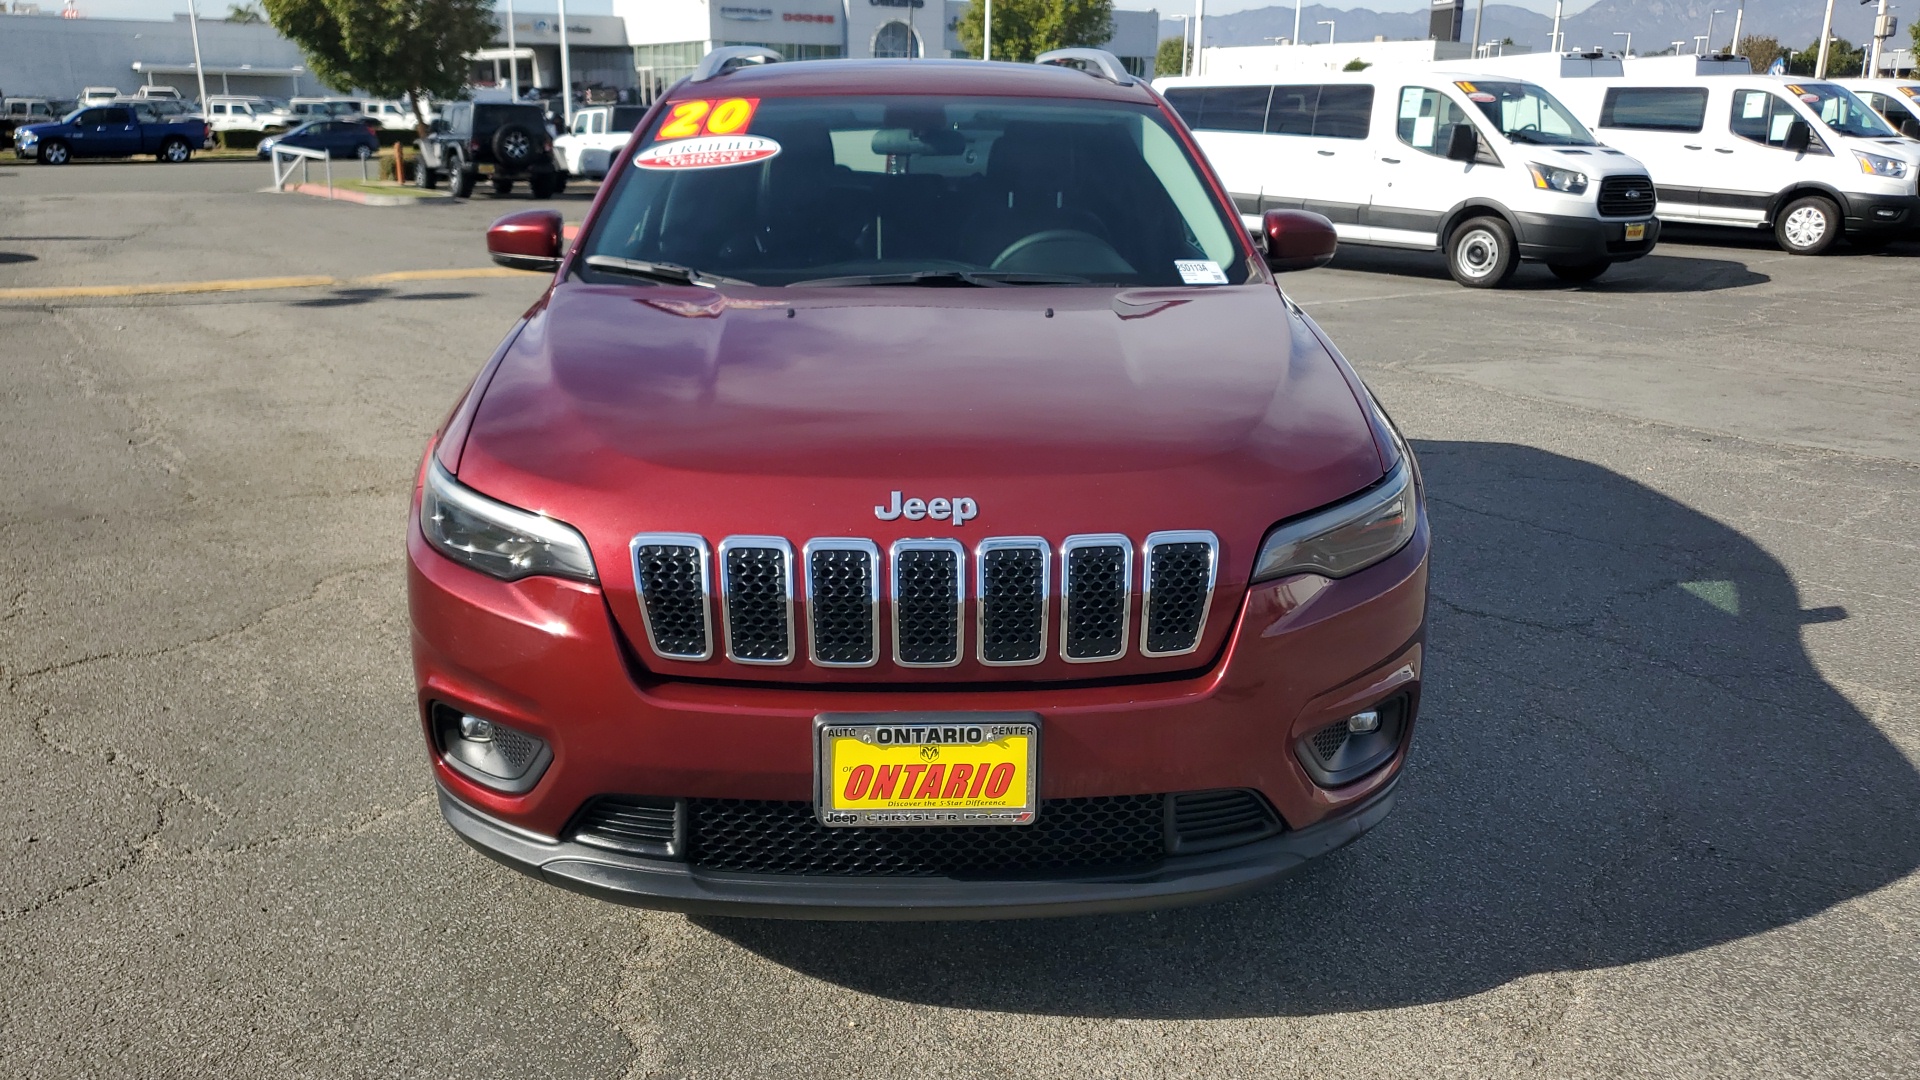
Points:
x=245 y=13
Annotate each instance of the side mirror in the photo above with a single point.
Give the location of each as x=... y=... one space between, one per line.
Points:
x=528 y=240
x=1799 y=137
x=1910 y=128
x=1463 y=143
x=1298 y=240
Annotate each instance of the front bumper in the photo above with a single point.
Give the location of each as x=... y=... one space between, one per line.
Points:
x=1560 y=238
x=1866 y=213
x=673 y=886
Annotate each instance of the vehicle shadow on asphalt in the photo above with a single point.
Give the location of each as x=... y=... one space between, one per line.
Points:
x=1658 y=273
x=1625 y=753
x=351 y=297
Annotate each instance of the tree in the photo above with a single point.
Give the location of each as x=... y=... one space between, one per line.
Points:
x=245 y=13
x=1023 y=29
x=1356 y=64
x=390 y=48
x=1762 y=51
x=1171 y=57
x=1843 y=59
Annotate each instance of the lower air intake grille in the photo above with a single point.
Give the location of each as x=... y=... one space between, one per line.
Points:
x=758 y=585
x=1013 y=603
x=634 y=825
x=926 y=604
x=1069 y=834
x=1179 y=586
x=673 y=596
x=1209 y=820
x=1626 y=196
x=1095 y=604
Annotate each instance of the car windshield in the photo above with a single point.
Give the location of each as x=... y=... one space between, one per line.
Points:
x=1840 y=110
x=915 y=190
x=1525 y=113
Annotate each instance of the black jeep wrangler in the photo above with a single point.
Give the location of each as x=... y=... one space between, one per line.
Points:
x=507 y=142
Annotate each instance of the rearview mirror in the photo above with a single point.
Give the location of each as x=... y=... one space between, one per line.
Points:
x=528 y=240
x=1298 y=239
x=1462 y=143
x=1799 y=137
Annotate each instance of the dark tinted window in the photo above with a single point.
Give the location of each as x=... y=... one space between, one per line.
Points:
x=1221 y=108
x=1679 y=108
x=1292 y=108
x=627 y=117
x=1344 y=112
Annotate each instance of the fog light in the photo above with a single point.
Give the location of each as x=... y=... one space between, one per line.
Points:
x=489 y=752
x=1362 y=723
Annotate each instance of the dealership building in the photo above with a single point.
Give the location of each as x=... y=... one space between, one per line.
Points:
x=643 y=47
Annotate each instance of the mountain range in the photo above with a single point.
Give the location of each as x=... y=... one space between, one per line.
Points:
x=1654 y=24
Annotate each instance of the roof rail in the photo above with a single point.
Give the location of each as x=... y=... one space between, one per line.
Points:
x=725 y=59
x=1096 y=62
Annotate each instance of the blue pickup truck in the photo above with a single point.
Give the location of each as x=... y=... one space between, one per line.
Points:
x=116 y=130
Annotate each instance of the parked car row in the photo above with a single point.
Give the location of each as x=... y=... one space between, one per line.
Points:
x=1564 y=159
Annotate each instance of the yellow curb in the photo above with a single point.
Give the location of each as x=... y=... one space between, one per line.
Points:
x=310 y=281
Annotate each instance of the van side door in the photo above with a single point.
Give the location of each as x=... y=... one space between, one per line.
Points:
x=1761 y=166
x=1416 y=184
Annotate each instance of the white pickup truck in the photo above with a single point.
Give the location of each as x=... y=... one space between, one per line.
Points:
x=596 y=136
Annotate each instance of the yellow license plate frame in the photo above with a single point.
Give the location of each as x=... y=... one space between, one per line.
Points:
x=903 y=770
x=1636 y=233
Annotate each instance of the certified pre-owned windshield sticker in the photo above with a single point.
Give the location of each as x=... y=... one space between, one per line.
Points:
x=1200 y=271
x=688 y=119
x=707 y=152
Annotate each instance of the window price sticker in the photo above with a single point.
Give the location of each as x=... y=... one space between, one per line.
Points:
x=1200 y=271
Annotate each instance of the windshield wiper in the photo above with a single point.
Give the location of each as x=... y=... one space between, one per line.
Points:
x=659 y=271
x=984 y=279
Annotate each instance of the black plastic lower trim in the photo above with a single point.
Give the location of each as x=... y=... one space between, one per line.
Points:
x=1565 y=239
x=673 y=886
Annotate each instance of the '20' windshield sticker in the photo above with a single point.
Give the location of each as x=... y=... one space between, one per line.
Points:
x=707 y=152
x=692 y=119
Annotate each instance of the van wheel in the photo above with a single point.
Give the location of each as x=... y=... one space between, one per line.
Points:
x=1480 y=254
x=1807 y=226
x=1578 y=272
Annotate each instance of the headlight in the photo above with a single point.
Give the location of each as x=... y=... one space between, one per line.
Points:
x=1346 y=538
x=29 y=137
x=495 y=538
x=1875 y=165
x=1549 y=178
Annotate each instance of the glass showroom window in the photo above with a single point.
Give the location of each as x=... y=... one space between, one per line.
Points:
x=896 y=40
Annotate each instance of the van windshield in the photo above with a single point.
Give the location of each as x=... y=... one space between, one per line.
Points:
x=913 y=190
x=1525 y=113
x=1840 y=110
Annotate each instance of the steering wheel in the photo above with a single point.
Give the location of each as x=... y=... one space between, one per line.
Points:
x=1044 y=237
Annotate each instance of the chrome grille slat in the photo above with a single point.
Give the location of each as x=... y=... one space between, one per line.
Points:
x=1096 y=578
x=843 y=602
x=1011 y=594
x=1176 y=592
x=929 y=594
x=670 y=574
x=756 y=597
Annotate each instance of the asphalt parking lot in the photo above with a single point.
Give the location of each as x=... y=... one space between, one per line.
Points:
x=1663 y=816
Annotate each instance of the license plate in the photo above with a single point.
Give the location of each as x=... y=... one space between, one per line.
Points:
x=1636 y=232
x=896 y=769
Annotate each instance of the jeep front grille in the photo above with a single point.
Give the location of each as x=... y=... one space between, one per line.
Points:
x=751 y=580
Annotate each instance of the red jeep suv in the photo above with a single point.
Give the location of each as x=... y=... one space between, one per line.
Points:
x=914 y=498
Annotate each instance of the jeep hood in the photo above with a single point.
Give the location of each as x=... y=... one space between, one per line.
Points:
x=795 y=412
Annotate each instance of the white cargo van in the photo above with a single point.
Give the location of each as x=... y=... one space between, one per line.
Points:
x=1492 y=171
x=1896 y=100
x=1803 y=157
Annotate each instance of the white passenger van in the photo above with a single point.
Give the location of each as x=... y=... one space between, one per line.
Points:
x=1492 y=171
x=1896 y=100
x=1801 y=156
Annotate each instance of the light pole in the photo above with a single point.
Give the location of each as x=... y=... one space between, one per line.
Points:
x=1710 y=18
x=1628 y=34
x=1478 y=10
x=1826 y=40
x=1296 y=21
x=1199 y=37
x=566 y=70
x=1699 y=44
x=1676 y=46
x=1873 y=54
x=200 y=73
x=1739 y=16
x=1328 y=23
x=1186 y=27
x=1557 y=45
x=513 y=59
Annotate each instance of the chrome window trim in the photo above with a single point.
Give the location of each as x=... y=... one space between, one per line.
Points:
x=844 y=543
x=666 y=539
x=1177 y=536
x=1009 y=543
x=1087 y=540
x=726 y=617
x=959 y=600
